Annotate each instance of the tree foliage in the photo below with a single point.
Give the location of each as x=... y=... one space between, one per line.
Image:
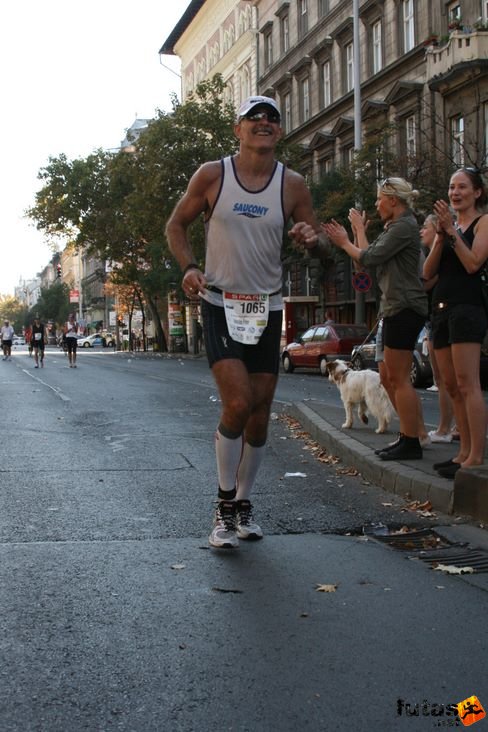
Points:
x=14 y=311
x=53 y=304
x=116 y=206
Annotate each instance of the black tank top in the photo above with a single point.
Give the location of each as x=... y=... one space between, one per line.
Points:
x=456 y=286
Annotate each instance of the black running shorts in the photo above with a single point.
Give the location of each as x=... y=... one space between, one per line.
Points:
x=264 y=357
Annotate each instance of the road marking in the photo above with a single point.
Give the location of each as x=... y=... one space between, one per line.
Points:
x=58 y=392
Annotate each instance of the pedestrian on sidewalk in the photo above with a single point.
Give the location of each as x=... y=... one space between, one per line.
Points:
x=71 y=330
x=459 y=321
x=38 y=337
x=443 y=432
x=7 y=334
x=247 y=200
x=395 y=257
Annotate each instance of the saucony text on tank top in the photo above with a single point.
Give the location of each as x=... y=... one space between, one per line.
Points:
x=244 y=236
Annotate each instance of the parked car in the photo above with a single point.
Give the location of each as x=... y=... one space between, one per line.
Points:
x=18 y=340
x=363 y=357
x=90 y=341
x=322 y=343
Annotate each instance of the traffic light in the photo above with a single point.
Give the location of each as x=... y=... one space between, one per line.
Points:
x=58 y=271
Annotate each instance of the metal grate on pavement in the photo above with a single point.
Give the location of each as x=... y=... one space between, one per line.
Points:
x=431 y=548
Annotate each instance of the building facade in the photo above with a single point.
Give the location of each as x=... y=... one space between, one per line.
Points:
x=423 y=72
x=217 y=37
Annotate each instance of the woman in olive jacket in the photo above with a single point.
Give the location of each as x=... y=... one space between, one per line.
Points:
x=395 y=257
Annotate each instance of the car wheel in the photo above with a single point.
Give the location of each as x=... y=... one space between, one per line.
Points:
x=288 y=367
x=415 y=373
x=357 y=363
x=323 y=366
x=86 y=345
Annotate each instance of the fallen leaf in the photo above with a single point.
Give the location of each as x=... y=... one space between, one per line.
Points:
x=387 y=504
x=419 y=506
x=427 y=514
x=325 y=588
x=347 y=471
x=451 y=569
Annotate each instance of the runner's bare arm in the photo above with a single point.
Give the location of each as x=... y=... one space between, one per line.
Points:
x=195 y=201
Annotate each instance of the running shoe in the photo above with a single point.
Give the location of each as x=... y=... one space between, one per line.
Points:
x=224 y=534
x=247 y=528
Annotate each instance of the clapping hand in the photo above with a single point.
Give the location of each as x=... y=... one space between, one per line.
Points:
x=444 y=217
x=336 y=233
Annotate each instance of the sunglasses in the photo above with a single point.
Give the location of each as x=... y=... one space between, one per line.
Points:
x=270 y=116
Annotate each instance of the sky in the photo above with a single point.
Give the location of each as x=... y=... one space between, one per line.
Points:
x=75 y=76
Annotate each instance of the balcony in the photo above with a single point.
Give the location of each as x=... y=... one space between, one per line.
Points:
x=462 y=51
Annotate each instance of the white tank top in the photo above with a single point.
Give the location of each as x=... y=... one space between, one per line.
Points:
x=244 y=237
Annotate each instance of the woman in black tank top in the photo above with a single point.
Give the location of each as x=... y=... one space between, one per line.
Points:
x=459 y=321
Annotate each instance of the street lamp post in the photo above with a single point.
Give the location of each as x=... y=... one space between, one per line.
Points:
x=360 y=310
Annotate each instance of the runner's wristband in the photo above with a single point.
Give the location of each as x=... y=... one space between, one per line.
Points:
x=192 y=265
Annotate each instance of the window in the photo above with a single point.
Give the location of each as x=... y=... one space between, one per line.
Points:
x=349 y=67
x=325 y=167
x=302 y=17
x=454 y=12
x=411 y=136
x=308 y=335
x=305 y=99
x=457 y=134
x=408 y=26
x=268 y=49
x=285 y=34
x=286 y=109
x=245 y=83
x=323 y=7
x=377 y=47
x=326 y=85
x=484 y=10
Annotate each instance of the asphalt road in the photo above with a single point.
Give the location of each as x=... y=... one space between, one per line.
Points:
x=116 y=614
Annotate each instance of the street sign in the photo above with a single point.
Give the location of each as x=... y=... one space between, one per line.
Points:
x=361 y=281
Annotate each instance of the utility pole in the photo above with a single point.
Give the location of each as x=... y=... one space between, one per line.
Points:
x=360 y=310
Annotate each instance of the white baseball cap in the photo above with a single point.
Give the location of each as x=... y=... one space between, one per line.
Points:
x=252 y=102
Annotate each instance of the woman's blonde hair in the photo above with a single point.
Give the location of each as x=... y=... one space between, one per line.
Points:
x=400 y=188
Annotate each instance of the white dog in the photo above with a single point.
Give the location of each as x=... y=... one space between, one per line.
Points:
x=364 y=389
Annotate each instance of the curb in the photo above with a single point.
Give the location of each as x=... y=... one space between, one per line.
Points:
x=402 y=480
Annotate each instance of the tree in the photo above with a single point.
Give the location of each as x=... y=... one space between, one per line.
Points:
x=53 y=304
x=116 y=206
x=13 y=310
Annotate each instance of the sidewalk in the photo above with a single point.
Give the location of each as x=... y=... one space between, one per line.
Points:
x=417 y=479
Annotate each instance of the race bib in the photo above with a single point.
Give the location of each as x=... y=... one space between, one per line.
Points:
x=37 y=336
x=246 y=315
